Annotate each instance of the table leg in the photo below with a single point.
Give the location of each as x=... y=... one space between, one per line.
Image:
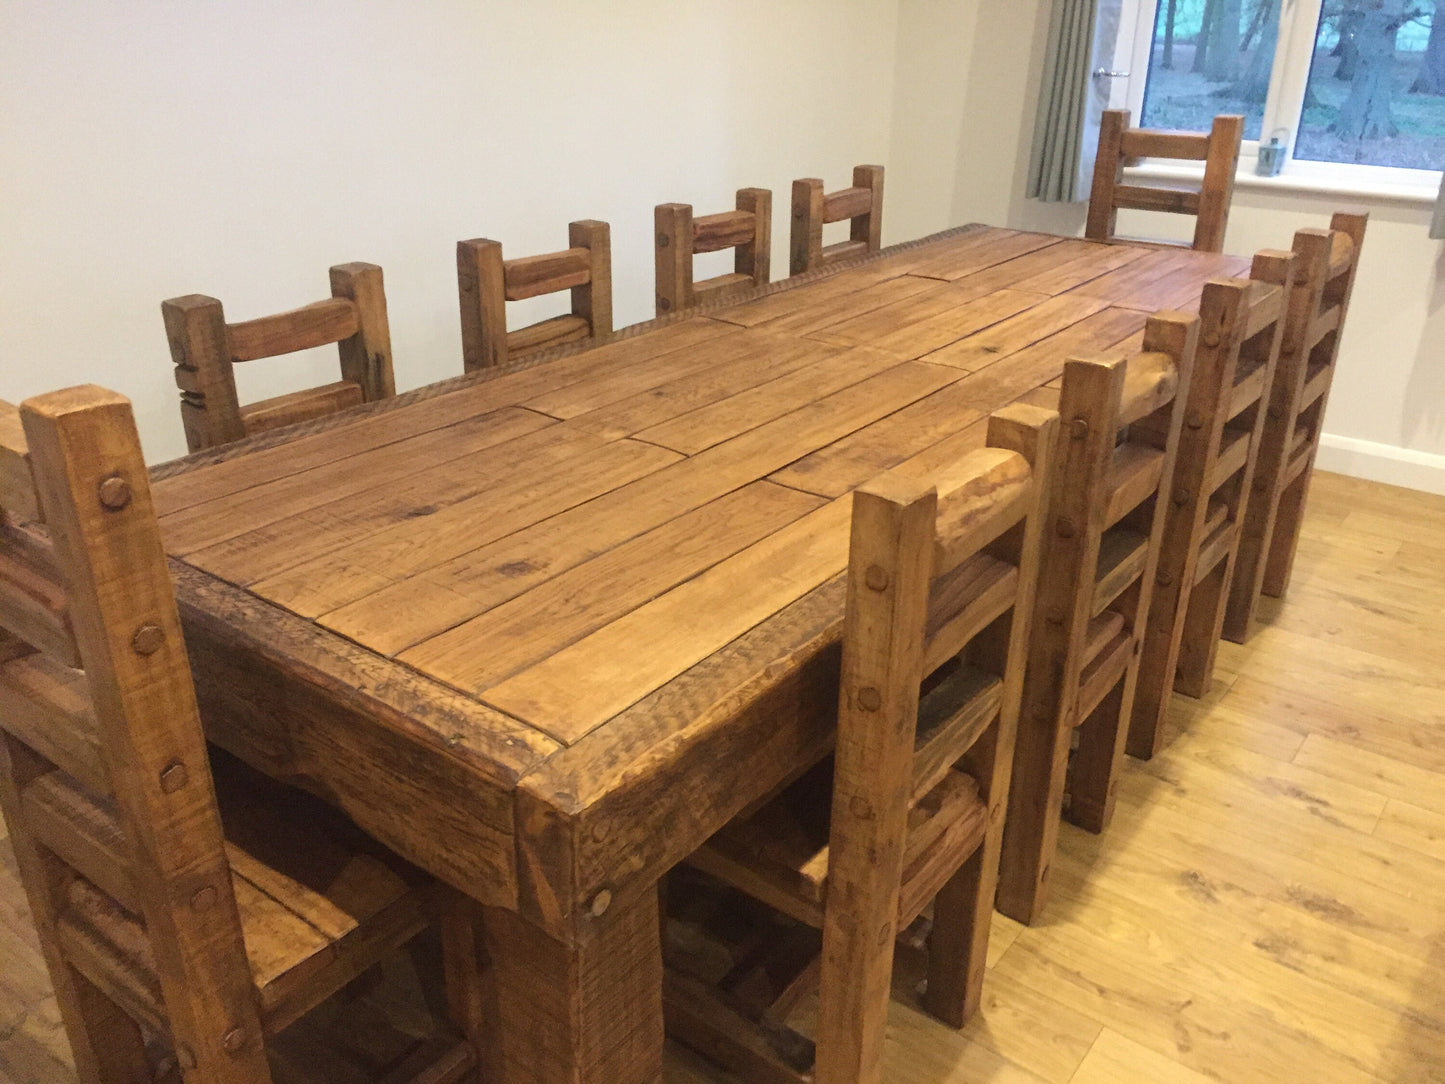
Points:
x=578 y=1014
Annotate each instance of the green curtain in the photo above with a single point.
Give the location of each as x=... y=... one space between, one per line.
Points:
x=1059 y=128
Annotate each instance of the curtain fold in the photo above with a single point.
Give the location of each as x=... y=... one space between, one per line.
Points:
x=1437 y=224
x=1059 y=127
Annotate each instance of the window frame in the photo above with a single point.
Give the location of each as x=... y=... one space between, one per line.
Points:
x=1283 y=109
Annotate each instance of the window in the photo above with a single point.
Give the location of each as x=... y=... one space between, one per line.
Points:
x=1342 y=84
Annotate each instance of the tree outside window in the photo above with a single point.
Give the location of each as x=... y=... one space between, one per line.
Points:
x=1375 y=93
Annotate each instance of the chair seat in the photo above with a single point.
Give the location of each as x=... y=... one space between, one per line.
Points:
x=301 y=406
x=319 y=901
x=779 y=854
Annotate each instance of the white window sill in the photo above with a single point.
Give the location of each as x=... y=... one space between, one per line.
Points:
x=1419 y=193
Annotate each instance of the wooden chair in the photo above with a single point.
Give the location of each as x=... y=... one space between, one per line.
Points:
x=748 y=230
x=1209 y=203
x=1317 y=305
x=861 y=205
x=1120 y=421
x=939 y=591
x=154 y=924
x=486 y=282
x=206 y=349
x=1241 y=322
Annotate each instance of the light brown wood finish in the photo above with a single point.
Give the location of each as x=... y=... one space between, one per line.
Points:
x=904 y=823
x=1317 y=305
x=1242 y=322
x=1226 y=888
x=147 y=914
x=486 y=282
x=861 y=205
x=1209 y=203
x=1105 y=525
x=678 y=236
x=205 y=349
x=570 y=819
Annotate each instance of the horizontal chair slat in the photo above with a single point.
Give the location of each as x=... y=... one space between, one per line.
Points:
x=48 y=707
x=1140 y=143
x=320 y=324
x=1133 y=476
x=950 y=718
x=980 y=496
x=1179 y=201
x=847 y=203
x=1122 y=556
x=300 y=406
x=845 y=250
x=84 y=832
x=33 y=607
x=728 y=229
x=1150 y=381
x=709 y=289
x=532 y=276
x=553 y=332
x=963 y=603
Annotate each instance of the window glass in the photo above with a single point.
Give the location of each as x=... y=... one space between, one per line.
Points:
x=1376 y=92
x=1210 y=57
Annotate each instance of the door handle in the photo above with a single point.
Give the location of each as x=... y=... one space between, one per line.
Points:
x=1105 y=73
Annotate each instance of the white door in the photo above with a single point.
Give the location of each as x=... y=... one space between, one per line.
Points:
x=1109 y=68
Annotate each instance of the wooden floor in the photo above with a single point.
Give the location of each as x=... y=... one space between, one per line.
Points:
x=1270 y=902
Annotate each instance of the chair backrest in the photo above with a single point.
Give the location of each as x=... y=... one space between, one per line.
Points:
x=486 y=282
x=1119 y=144
x=104 y=775
x=748 y=230
x=205 y=350
x=1241 y=324
x=1318 y=302
x=940 y=581
x=861 y=205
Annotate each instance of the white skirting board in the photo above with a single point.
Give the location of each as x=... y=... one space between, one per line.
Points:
x=1382 y=463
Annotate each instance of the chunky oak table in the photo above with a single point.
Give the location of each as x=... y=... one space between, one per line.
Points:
x=544 y=630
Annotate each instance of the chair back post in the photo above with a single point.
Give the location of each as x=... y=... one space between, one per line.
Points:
x=754 y=257
x=201 y=351
x=890 y=564
x=1217 y=192
x=1103 y=218
x=868 y=227
x=95 y=494
x=483 y=304
x=592 y=300
x=805 y=243
x=672 y=256
x=365 y=356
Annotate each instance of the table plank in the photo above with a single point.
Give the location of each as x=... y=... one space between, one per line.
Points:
x=580 y=687
x=529 y=627
x=1012 y=335
x=934 y=332
x=519 y=500
x=700 y=429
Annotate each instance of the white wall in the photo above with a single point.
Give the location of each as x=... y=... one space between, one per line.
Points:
x=964 y=104
x=238 y=149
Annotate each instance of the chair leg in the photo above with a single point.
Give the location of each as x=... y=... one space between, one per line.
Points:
x=468 y=978
x=1279 y=561
x=1203 y=621
x=1031 y=830
x=1099 y=757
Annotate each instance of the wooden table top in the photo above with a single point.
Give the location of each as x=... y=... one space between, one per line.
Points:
x=574 y=564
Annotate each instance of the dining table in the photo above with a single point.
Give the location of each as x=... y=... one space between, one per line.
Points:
x=544 y=629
